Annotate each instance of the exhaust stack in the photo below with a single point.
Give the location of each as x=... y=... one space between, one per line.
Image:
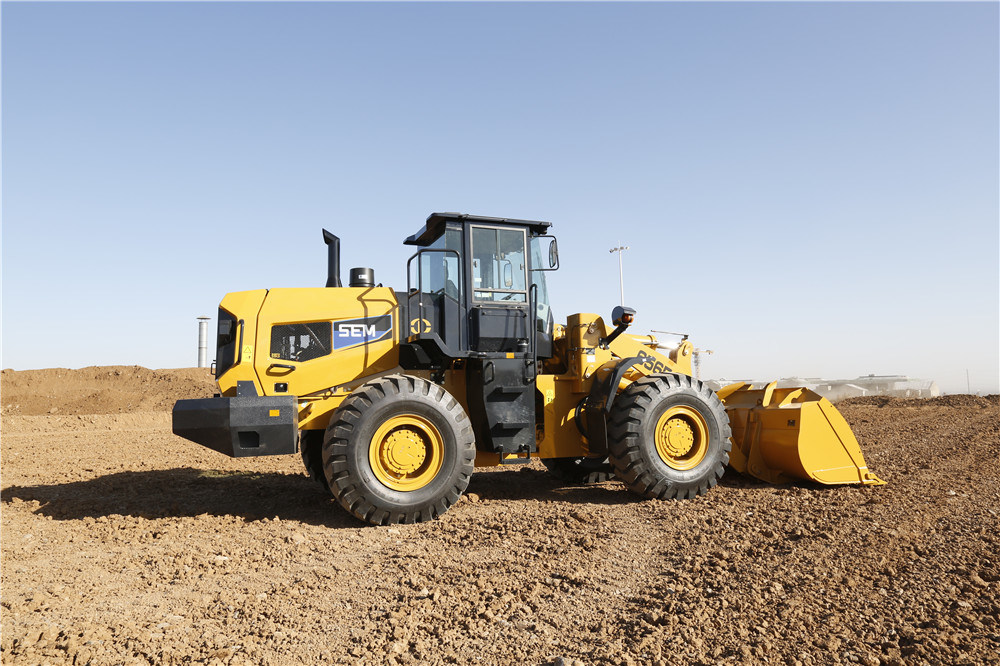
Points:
x=333 y=259
x=203 y=341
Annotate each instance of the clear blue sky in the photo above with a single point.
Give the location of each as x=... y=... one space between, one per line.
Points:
x=807 y=189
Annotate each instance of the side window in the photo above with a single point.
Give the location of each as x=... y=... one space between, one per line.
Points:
x=301 y=342
x=542 y=315
x=498 y=264
x=225 y=349
x=439 y=272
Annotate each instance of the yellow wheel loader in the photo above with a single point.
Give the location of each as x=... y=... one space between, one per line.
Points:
x=393 y=397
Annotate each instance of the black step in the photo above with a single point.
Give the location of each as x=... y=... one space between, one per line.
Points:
x=512 y=425
x=510 y=390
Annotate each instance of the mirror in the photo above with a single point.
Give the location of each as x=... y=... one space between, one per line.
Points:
x=508 y=276
x=553 y=254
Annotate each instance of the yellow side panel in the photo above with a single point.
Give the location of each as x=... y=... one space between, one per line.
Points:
x=349 y=309
x=314 y=414
x=651 y=360
x=560 y=436
x=584 y=332
x=244 y=305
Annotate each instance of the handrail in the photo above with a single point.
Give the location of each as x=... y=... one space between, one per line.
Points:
x=239 y=346
x=533 y=327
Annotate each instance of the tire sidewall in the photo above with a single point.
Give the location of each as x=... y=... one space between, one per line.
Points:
x=674 y=397
x=392 y=405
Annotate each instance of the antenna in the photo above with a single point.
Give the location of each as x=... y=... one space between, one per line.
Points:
x=683 y=336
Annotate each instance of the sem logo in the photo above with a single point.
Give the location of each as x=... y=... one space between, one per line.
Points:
x=418 y=326
x=361 y=331
x=356 y=330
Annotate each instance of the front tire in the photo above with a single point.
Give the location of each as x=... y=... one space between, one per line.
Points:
x=668 y=437
x=399 y=449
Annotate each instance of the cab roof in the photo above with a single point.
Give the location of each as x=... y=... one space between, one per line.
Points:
x=436 y=222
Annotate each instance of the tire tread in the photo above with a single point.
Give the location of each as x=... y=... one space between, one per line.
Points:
x=348 y=488
x=631 y=463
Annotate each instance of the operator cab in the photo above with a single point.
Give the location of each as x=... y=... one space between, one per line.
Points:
x=476 y=302
x=476 y=287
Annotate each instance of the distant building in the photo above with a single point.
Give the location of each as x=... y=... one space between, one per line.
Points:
x=897 y=386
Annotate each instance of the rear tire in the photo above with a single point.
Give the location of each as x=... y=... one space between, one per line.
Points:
x=579 y=470
x=399 y=449
x=668 y=437
x=311 y=448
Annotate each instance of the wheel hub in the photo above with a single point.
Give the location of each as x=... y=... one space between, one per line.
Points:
x=681 y=437
x=403 y=451
x=678 y=437
x=406 y=452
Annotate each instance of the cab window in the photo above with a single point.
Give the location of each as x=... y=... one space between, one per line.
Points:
x=542 y=312
x=301 y=342
x=225 y=350
x=439 y=272
x=498 y=264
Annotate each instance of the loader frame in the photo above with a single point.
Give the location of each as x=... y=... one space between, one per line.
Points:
x=392 y=397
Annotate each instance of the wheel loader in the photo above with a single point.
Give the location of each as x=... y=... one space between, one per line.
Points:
x=392 y=398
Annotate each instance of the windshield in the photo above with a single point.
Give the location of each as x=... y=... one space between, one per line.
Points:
x=498 y=264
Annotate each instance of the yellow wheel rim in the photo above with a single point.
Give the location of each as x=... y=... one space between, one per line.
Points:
x=681 y=437
x=406 y=452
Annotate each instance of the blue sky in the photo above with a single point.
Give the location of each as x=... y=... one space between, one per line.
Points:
x=807 y=189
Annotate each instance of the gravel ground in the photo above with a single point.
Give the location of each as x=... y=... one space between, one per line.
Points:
x=122 y=544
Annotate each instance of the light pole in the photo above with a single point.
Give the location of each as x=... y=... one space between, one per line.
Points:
x=621 y=281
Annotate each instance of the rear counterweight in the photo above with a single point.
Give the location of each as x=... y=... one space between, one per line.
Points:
x=239 y=427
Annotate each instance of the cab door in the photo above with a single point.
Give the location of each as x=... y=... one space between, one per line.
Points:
x=498 y=316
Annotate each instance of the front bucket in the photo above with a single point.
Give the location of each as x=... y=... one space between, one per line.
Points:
x=792 y=432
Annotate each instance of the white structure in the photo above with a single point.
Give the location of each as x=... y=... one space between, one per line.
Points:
x=897 y=386
x=203 y=341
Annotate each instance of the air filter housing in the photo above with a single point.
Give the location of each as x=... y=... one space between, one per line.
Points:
x=362 y=277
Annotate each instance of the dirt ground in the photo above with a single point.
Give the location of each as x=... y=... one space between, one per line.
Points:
x=123 y=544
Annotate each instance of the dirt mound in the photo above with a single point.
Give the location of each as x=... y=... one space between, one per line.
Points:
x=957 y=400
x=125 y=544
x=100 y=390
